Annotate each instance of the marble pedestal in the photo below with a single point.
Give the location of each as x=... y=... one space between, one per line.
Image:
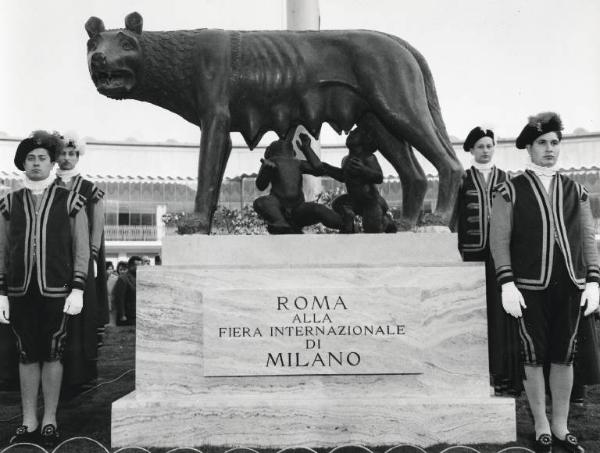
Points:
x=195 y=388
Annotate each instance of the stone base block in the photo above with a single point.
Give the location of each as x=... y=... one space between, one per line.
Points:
x=423 y=381
x=261 y=421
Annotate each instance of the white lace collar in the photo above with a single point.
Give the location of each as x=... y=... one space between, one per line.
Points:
x=67 y=175
x=37 y=187
x=547 y=172
x=482 y=167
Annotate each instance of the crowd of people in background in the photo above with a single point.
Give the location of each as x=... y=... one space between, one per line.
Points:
x=120 y=284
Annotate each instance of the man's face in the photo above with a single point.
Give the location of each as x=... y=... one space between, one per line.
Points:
x=38 y=164
x=545 y=149
x=483 y=150
x=68 y=158
x=134 y=265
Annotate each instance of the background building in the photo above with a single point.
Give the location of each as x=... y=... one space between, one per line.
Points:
x=145 y=181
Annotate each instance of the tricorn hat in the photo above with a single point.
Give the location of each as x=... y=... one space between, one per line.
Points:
x=38 y=139
x=539 y=124
x=475 y=134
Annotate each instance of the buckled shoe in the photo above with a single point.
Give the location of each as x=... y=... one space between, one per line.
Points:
x=22 y=436
x=569 y=443
x=49 y=437
x=543 y=444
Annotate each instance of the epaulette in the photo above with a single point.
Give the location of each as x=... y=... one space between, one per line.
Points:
x=5 y=206
x=75 y=203
x=507 y=190
x=582 y=192
x=97 y=194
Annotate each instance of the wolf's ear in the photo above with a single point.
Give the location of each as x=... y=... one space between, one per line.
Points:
x=134 y=22
x=94 y=26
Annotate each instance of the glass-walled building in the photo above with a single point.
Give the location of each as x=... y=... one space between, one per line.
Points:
x=132 y=204
x=143 y=182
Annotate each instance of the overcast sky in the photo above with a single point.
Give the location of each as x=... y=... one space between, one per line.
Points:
x=493 y=62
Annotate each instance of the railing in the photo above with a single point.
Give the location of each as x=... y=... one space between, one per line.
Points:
x=130 y=232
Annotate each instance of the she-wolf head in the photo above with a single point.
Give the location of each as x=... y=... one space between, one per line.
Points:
x=115 y=56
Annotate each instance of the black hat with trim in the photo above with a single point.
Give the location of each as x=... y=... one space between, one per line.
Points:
x=538 y=125
x=476 y=134
x=38 y=139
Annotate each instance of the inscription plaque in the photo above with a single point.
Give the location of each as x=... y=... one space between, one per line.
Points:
x=369 y=330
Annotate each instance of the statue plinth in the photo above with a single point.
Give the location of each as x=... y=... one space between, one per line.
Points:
x=314 y=340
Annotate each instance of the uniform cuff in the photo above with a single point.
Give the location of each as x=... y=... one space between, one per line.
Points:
x=593 y=274
x=504 y=274
x=94 y=252
x=3 y=285
x=78 y=281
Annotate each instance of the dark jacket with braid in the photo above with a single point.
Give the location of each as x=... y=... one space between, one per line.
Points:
x=94 y=208
x=474 y=210
x=528 y=223
x=49 y=234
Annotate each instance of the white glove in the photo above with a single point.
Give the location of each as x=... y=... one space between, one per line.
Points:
x=4 y=310
x=95 y=268
x=512 y=300
x=591 y=297
x=74 y=302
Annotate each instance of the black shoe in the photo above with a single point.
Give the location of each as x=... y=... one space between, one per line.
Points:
x=570 y=443
x=22 y=436
x=49 y=437
x=543 y=444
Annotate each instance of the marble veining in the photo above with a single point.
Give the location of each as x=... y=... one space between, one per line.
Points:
x=443 y=302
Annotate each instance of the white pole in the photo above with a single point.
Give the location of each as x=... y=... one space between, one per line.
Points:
x=304 y=15
x=161 y=229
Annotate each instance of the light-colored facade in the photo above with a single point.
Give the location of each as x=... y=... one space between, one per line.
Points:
x=144 y=181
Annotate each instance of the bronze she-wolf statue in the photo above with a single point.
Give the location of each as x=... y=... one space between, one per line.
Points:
x=256 y=81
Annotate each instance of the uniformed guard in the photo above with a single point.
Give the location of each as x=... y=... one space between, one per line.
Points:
x=543 y=244
x=86 y=332
x=473 y=220
x=44 y=254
